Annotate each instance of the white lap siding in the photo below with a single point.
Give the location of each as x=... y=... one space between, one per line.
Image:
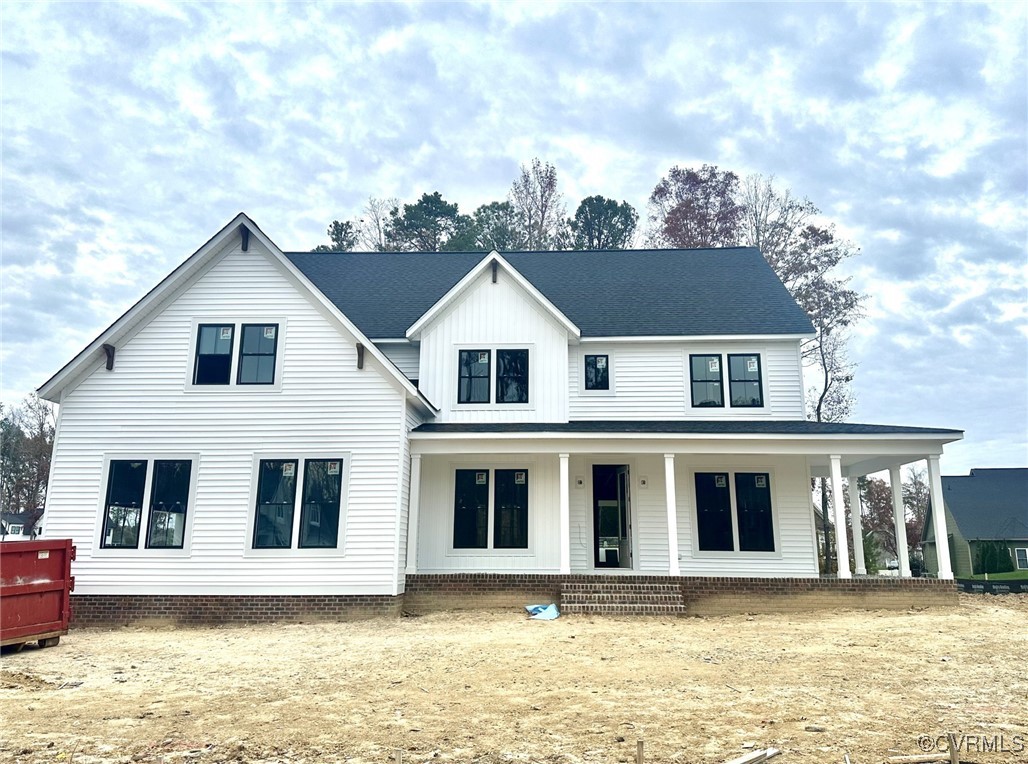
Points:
x=325 y=406
x=650 y=380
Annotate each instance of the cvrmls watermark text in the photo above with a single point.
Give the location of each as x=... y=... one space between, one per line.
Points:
x=965 y=743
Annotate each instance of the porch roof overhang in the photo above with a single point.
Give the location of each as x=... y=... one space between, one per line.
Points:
x=863 y=448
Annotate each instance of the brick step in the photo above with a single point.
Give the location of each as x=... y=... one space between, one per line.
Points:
x=623 y=609
x=617 y=588
x=584 y=597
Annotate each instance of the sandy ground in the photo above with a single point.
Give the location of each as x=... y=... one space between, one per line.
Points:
x=495 y=687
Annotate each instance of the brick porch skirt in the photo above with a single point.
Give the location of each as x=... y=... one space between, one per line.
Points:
x=702 y=596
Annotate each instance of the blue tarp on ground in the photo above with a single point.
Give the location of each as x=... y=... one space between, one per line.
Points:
x=542 y=612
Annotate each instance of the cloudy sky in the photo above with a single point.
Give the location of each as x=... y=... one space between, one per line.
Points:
x=133 y=131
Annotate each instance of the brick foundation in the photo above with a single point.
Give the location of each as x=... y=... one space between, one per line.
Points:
x=205 y=609
x=702 y=595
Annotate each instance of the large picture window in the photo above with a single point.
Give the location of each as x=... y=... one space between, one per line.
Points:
x=512 y=376
x=322 y=490
x=750 y=527
x=213 y=364
x=706 y=380
x=744 y=379
x=474 y=375
x=147 y=499
x=276 y=497
x=257 y=354
x=123 y=508
x=490 y=504
x=299 y=503
x=169 y=502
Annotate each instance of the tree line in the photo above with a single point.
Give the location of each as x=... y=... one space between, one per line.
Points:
x=26 y=443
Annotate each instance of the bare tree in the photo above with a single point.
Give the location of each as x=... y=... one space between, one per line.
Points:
x=696 y=208
x=371 y=225
x=27 y=434
x=539 y=205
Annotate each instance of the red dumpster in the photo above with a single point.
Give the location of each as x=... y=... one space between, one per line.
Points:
x=35 y=591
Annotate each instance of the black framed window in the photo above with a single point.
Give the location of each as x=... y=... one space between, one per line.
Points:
x=123 y=507
x=753 y=510
x=512 y=376
x=319 y=515
x=597 y=372
x=257 y=352
x=510 y=510
x=471 y=510
x=169 y=503
x=744 y=380
x=714 y=512
x=473 y=385
x=276 y=497
x=706 y=379
x=213 y=364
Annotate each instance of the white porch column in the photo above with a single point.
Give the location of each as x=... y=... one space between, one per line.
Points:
x=672 y=515
x=841 y=542
x=939 y=519
x=899 y=518
x=412 y=513
x=858 y=532
x=565 y=515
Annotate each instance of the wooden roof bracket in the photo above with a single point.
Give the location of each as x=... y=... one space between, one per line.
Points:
x=109 y=352
x=360 y=355
x=245 y=233
x=496 y=267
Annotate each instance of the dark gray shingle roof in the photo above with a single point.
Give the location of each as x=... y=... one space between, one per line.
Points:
x=781 y=427
x=989 y=503
x=606 y=294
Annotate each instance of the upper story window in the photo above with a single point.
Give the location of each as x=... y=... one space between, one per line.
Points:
x=597 y=372
x=162 y=486
x=512 y=376
x=746 y=387
x=477 y=376
x=213 y=354
x=474 y=376
x=257 y=354
x=705 y=377
x=229 y=354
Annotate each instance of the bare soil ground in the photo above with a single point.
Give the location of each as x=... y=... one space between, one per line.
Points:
x=495 y=687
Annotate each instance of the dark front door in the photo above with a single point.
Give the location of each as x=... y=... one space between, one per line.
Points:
x=612 y=516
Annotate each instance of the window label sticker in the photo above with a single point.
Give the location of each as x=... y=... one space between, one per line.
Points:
x=269 y=332
x=751 y=365
x=483 y=357
x=333 y=468
x=761 y=481
x=481 y=477
x=601 y=362
x=714 y=365
x=721 y=481
x=288 y=469
x=519 y=478
x=226 y=332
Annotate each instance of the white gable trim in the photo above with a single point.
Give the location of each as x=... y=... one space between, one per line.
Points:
x=192 y=266
x=458 y=289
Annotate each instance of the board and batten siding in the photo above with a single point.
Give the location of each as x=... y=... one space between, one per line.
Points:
x=488 y=316
x=650 y=381
x=325 y=406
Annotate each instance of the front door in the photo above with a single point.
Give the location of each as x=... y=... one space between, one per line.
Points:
x=612 y=516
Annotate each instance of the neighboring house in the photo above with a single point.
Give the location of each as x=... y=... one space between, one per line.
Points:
x=19 y=526
x=265 y=422
x=989 y=505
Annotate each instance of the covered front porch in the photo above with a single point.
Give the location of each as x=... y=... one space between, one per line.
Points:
x=679 y=499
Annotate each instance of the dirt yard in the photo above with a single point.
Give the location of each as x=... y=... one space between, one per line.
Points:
x=495 y=687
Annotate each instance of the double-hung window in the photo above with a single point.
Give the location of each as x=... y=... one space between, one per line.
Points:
x=279 y=523
x=146 y=498
x=597 y=372
x=493 y=500
x=744 y=380
x=707 y=376
x=228 y=354
x=478 y=377
x=733 y=512
x=1021 y=558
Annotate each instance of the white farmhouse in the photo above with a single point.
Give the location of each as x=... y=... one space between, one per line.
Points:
x=293 y=434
